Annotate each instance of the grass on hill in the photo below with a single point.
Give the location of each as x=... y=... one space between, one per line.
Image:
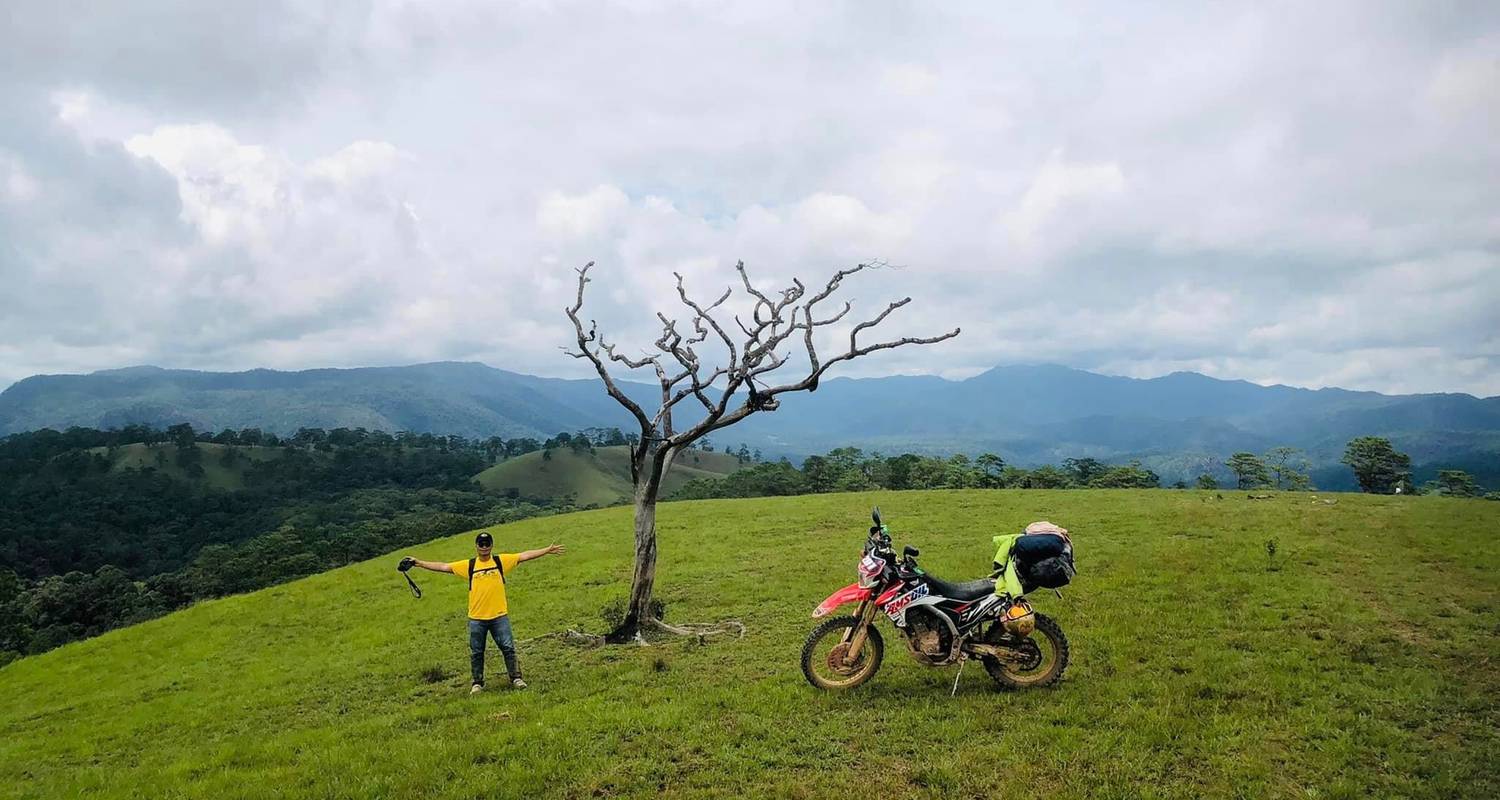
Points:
x=215 y=473
x=599 y=478
x=1362 y=665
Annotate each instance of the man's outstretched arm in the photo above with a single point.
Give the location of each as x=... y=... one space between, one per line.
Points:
x=435 y=566
x=548 y=550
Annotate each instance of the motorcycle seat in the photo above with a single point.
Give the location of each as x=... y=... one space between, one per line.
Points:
x=968 y=590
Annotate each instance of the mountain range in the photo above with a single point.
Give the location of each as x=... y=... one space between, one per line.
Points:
x=1180 y=425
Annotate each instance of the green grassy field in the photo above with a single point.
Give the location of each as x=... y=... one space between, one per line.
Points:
x=599 y=478
x=1365 y=666
x=215 y=473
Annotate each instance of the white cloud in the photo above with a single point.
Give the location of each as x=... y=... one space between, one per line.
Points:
x=1467 y=81
x=909 y=79
x=19 y=186
x=581 y=216
x=1056 y=184
x=1270 y=192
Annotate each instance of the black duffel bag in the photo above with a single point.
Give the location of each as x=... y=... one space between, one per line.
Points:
x=1048 y=573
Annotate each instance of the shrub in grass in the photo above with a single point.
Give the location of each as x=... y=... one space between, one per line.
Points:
x=613 y=612
x=436 y=673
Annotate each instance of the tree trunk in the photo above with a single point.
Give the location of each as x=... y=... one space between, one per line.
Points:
x=643 y=579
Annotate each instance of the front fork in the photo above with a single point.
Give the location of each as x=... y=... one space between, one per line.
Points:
x=858 y=634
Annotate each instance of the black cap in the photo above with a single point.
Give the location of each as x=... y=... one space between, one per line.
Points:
x=484 y=539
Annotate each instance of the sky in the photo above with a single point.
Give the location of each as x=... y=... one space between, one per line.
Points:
x=1292 y=193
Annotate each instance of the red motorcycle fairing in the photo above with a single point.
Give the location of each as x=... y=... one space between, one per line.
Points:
x=849 y=594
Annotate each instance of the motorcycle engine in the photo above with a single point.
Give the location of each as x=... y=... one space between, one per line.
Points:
x=927 y=636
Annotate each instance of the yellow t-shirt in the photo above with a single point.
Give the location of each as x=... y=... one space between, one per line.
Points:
x=487 y=595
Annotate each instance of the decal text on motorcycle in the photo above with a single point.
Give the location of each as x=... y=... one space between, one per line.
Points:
x=894 y=609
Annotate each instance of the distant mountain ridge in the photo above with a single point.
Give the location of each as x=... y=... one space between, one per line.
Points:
x=459 y=398
x=1181 y=424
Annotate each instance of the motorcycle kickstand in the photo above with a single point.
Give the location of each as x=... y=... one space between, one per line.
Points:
x=964 y=662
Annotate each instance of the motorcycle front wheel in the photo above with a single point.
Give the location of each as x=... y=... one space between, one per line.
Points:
x=823 y=654
x=1044 y=656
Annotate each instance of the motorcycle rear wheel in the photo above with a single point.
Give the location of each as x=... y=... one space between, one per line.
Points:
x=1051 y=651
x=827 y=642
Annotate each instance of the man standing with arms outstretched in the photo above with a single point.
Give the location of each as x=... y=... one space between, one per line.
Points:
x=487 y=574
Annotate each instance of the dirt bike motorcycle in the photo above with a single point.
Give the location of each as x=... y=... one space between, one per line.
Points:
x=941 y=623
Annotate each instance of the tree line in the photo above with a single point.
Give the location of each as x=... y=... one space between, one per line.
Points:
x=850 y=469
x=1377 y=466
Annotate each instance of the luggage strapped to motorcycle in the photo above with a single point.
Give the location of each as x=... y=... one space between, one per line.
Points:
x=1043 y=555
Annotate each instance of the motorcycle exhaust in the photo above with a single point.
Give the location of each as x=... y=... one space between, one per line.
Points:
x=999 y=652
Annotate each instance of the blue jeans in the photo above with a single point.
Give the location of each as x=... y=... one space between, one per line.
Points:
x=499 y=629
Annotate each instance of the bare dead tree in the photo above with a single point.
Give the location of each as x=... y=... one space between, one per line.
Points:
x=780 y=320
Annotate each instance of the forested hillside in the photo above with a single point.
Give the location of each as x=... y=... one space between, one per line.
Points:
x=105 y=528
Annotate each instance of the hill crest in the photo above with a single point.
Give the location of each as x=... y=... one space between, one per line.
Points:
x=597 y=477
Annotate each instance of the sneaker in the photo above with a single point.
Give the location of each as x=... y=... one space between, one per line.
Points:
x=476 y=688
x=517 y=683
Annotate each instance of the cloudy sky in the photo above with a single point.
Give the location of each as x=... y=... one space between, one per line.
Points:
x=1303 y=193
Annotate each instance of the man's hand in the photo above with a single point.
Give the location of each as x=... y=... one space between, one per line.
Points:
x=538 y=553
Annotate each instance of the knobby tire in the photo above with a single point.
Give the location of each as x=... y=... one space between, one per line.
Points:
x=873 y=651
x=1045 y=626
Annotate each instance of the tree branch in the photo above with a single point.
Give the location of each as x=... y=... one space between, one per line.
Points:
x=772 y=323
x=702 y=316
x=592 y=336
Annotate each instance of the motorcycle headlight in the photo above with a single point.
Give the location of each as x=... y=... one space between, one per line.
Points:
x=870 y=568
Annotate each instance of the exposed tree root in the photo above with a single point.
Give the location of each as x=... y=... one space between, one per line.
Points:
x=699 y=630
x=569 y=636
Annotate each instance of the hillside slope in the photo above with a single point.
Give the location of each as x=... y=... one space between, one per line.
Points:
x=601 y=477
x=1363 y=666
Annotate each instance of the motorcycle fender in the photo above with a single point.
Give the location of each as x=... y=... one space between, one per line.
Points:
x=849 y=594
